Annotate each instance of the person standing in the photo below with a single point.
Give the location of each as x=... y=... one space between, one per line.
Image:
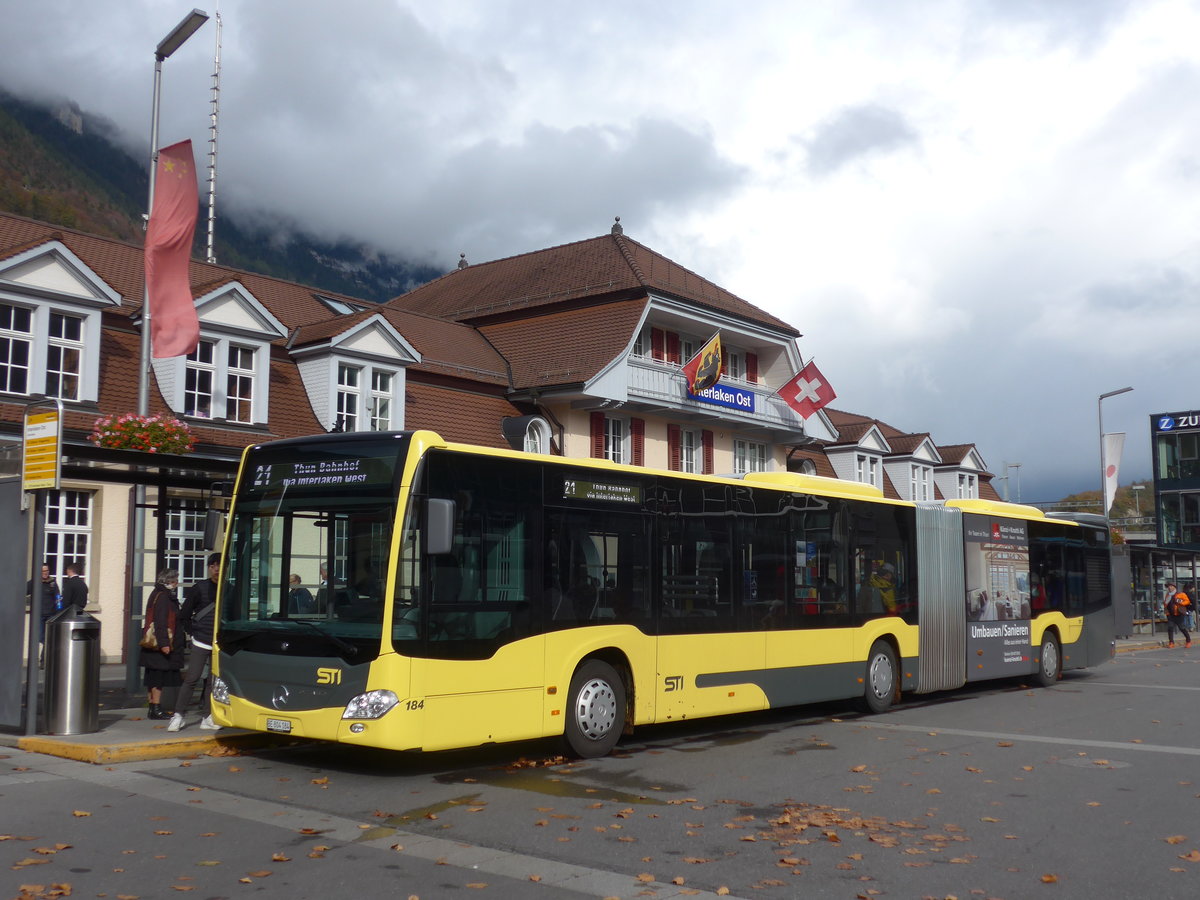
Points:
x=198 y=618
x=162 y=642
x=74 y=589
x=1177 y=604
x=300 y=598
x=51 y=595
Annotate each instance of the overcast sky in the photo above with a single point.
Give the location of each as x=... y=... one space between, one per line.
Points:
x=981 y=214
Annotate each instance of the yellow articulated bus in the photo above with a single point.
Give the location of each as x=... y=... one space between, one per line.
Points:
x=395 y=590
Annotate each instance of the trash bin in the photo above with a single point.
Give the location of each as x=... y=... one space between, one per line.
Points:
x=72 y=673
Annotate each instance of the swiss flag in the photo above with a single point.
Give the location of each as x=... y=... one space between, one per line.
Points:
x=807 y=392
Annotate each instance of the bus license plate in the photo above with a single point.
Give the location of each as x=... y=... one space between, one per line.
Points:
x=279 y=725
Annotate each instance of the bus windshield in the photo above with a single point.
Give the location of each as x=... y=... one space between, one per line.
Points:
x=310 y=537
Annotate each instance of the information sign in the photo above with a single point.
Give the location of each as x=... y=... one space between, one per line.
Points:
x=42 y=450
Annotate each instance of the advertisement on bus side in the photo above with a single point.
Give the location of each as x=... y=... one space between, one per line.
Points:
x=997 y=597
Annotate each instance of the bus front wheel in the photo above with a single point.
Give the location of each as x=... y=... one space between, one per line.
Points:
x=881 y=678
x=1050 y=664
x=596 y=715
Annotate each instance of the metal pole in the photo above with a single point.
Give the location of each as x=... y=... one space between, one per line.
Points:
x=35 y=610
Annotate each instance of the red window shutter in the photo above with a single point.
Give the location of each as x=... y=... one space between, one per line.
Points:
x=752 y=368
x=724 y=360
x=658 y=343
x=673 y=348
x=674 y=448
x=706 y=441
x=598 y=435
x=637 y=435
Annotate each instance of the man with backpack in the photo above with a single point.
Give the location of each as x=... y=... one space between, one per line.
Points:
x=1177 y=605
x=198 y=619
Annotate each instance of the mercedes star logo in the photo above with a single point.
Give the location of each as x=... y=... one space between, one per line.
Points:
x=280 y=698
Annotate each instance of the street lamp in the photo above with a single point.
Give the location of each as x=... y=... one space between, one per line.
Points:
x=1137 y=498
x=168 y=45
x=1016 y=466
x=1100 y=418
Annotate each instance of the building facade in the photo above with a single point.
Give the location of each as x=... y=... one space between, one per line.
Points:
x=572 y=350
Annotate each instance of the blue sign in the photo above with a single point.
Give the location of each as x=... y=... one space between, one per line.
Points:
x=1174 y=421
x=734 y=398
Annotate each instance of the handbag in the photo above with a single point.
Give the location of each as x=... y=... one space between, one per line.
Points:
x=149 y=640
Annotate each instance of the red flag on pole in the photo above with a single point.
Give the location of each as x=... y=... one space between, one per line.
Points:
x=174 y=328
x=703 y=370
x=807 y=392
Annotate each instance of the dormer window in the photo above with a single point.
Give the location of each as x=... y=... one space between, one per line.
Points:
x=365 y=395
x=50 y=309
x=341 y=307
x=220 y=378
x=920 y=483
x=867 y=469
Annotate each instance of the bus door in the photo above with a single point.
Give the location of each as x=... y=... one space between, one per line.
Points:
x=477 y=659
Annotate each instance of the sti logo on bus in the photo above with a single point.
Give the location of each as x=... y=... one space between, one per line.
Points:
x=673 y=683
x=329 y=676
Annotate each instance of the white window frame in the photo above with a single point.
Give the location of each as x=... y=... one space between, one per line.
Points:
x=69 y=515
x=642 y=344
x=691 y=450
x=920 y=478
x=39 y=341
x=65 y=346
x=537 y=436
x=735 y=365
x=365 y=396
x=749 y=456
x=866 y=467
x=220 y=372
x=185 y=549
x=616 y=439
x=968 y=486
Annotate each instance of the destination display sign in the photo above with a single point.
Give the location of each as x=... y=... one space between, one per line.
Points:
x=575 y=489
x=309 y=472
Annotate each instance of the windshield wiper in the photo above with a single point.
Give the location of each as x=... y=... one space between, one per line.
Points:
x=345 y=646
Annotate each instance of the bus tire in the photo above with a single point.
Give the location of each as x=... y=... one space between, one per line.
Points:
x=1049 y=661
x=596 y=712
x=882 y=676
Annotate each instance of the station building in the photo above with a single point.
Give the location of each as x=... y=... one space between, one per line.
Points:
x=572 y=350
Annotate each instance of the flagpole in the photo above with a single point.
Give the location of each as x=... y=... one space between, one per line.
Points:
x=168 y=45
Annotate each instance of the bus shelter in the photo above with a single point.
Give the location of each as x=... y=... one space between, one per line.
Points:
x=163 y=483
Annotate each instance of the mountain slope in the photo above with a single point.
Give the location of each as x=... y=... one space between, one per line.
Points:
x=62 y=166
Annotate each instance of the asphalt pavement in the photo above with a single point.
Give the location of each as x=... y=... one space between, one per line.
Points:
x=126 y=734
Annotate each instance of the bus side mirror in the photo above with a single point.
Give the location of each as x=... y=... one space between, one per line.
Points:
x=439 y=526
x=214 y=529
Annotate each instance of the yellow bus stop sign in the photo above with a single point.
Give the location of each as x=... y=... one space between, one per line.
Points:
x=40 y=462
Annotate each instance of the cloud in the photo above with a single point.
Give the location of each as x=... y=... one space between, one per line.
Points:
x=854 y=133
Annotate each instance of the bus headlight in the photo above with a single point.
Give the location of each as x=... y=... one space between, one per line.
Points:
x=370 y=705
x=220 y=691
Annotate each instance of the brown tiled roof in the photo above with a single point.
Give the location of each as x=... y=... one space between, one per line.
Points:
x=565 y=347
x=457 y=415
x=446 y=348
x=903 y=444
x=598 y=268
x=840 y=418
x=852 y=433
x=823 y=467
x=953 y=454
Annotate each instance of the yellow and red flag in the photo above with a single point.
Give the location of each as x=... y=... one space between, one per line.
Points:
x=703 y=370
x=174 y=327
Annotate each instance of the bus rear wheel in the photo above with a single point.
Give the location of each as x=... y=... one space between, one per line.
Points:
x=596 y=715
x=1050 y=661
x=881 y=678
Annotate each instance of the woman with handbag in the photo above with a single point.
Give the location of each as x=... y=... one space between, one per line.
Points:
x=162 y=643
